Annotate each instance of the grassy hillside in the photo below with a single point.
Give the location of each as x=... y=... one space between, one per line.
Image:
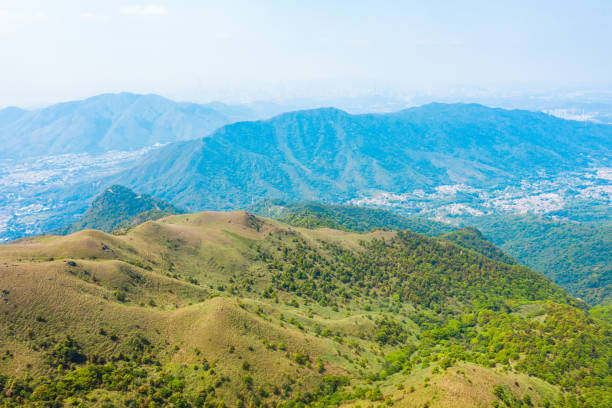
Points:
x=228 y=309
x=120 y=207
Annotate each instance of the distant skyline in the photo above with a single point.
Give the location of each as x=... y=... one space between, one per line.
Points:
x=240 y=51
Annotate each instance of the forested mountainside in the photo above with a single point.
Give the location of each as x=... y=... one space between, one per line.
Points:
x=574 y=255
x=471 y=238
x=231 y=309
x=329 y=155
x=120 y=207
x=345 y=217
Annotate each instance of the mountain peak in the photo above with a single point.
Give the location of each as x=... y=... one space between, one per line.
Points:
x=120 y=122
x=323 y=112
x=329 y=155
x=119 y=206
x=118 y=190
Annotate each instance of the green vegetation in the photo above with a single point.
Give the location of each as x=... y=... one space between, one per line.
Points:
x=473 y=239
x=573 y=255
x=345 y=217
x=120 y=207
x=228 y=309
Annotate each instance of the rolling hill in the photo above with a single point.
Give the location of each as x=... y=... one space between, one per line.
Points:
x=231 y=309
x=331 y=156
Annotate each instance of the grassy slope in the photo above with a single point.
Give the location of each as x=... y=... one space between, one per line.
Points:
x=466 y=385
x=207 y=289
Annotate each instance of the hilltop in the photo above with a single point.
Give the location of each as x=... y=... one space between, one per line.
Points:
x=117 y=207
x=211 y=308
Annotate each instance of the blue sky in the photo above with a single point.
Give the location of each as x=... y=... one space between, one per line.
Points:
x=242 y=50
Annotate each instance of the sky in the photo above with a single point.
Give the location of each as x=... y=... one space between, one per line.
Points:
x=242 y=50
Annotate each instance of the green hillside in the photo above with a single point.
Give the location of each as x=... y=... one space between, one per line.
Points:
x=120 y=207
x=573 y=255
x=345 y=217
x=228 y=309
x=473 y=239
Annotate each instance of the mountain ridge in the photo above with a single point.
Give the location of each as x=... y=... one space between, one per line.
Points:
x=331 y=156
x=345 y=217
x=123 y=121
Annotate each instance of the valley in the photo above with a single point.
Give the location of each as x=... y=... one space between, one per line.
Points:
x=28 y=188
x=582 y=195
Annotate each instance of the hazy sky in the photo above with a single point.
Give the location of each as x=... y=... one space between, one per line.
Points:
x=240 y=50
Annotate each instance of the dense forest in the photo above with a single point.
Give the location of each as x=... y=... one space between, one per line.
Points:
x=345 y=217
x=573 y=255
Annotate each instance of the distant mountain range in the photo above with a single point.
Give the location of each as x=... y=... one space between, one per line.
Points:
x=127 y=121
x=107 y=122
x=330 y=155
